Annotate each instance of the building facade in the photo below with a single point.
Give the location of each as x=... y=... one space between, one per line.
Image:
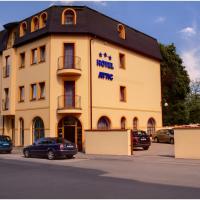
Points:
x=69 y=69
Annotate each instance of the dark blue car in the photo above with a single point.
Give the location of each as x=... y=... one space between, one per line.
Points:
x=5 y=144
x=51 y=148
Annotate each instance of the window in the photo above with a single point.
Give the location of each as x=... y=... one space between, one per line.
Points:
x=6 y=100
x=42 y=90
x=123 y=123
x=135 y=123
x=6 y=69
x=103 y=123
x=151 y=126
x=69 y=16
x=43 y=20
x=122 y=61
x=122 y=93
x=33 y=91
x=22 y=60
x=23 y=29
x=34 y=56
x=21 y=94
x=34 y=24
x=38 y=128
x=121 y=31
x=42 y=53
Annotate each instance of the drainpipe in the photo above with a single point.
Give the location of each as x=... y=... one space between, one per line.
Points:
x=91 y=82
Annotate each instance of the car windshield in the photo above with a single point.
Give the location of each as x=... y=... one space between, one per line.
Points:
x=139 y=133
x=5 y=139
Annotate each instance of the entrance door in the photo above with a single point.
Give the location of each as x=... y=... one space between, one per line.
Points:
x=70 y=128
x=69 y=133
x=69 y=56
x=69 y=100
x=21 y=132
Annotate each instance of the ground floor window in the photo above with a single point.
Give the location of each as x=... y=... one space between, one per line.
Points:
x=123 y=123
x=135 y=123
x=103 y=123
x=21 y=128
x=151 y=126
x=38 y=128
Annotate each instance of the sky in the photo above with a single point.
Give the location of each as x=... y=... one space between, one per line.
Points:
x=168 y=22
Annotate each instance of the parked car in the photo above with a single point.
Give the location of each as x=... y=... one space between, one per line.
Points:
x=5 y=144
x=164 y=135
x=141 y=139
x=51 y=148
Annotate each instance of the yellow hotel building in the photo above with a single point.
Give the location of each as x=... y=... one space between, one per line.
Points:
x=68 y=69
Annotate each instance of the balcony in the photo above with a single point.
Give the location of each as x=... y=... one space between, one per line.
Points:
x=6 y=71
x=5 y=104
x=69 y=66
x=68 y=104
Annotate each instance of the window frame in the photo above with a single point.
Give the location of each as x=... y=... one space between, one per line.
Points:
x=32 y=92
x=123 y=91
x=20 y=64
x=20 y=99
x=40 y=49
x=40 y=91
x=74 y=18
x=122 y=61
x=32 y=56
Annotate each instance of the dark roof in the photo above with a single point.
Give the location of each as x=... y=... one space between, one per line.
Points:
x=91 y=22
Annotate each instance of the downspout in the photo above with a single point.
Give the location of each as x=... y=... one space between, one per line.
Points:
x=91 y=82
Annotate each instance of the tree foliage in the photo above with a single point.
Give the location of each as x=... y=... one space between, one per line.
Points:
x=175 y=84
x=193 y=102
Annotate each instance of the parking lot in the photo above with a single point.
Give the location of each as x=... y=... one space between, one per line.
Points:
x=155 y=171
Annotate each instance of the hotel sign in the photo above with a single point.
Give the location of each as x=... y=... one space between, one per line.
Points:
x=104 y=61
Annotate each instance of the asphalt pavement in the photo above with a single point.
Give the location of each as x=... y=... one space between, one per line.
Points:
x=147 y=174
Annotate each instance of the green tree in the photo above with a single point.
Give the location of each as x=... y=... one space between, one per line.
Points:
x=193 y=102
x=175 y=83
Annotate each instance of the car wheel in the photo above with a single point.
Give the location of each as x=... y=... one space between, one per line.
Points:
x=145 y=148
x=70 y=156
x=171 y=141
x=26 y=154
x=51 y=155
x=156 y=140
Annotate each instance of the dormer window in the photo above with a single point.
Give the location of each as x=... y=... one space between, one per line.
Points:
x=34 y=24
x=121 y=31
x=69 y=17
x=43 y=20
x=23 y=29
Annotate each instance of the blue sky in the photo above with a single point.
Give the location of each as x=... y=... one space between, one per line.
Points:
x=169 y=22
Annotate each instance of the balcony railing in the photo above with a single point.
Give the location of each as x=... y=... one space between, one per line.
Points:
x=66 y=102
x=5 y=104
x=69 y=62
x=6 y=71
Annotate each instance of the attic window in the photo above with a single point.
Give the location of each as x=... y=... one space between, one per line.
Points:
x=43 y=20
x=121 y=31
x=34 y=24
x=69 y=16
x=23 y=29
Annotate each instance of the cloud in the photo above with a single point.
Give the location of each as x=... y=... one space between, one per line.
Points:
x=191 y=59
x=160 y=19
x=188 y=31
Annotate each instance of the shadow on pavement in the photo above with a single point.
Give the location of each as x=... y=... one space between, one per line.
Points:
x=35 y=180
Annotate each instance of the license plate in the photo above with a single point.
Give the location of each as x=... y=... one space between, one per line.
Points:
x=5 y=144
x=70 y=146
x=143 y=139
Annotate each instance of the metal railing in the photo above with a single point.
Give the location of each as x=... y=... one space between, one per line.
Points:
x=5 y=104
x=69 y=62
x=69 y=102
x=6 y=71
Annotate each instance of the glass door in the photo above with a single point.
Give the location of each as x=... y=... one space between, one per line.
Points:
x=69 y=56
x=69 y=100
